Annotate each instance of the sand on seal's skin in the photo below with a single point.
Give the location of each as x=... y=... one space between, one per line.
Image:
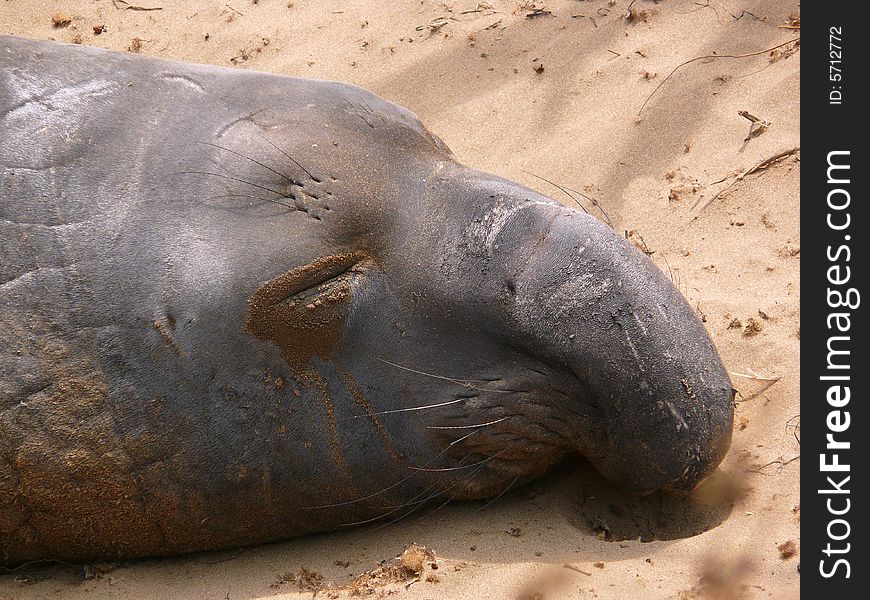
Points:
x=554 y=94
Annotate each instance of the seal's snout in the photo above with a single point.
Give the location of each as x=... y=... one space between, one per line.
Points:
x=666 y=393
x=705 y=442
x=681 y=442
x=670 y=426
x=650 y=402
x=619 y=324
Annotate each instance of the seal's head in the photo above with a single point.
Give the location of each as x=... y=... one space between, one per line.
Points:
x=499 y=330
x=485 y=329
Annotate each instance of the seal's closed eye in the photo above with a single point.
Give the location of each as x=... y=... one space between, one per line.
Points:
x=329 y=277
x=303 y=310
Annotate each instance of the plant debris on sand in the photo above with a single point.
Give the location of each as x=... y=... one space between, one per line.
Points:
x=415 y=564
x=409 y=567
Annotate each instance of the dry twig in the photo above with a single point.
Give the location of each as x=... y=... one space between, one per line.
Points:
x=578 y=569
x=124 y=5
x=712 y=56
x=757 y=127
x=779 y=461
x=758 y=167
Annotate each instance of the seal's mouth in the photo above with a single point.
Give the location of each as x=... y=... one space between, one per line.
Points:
x=517 y=424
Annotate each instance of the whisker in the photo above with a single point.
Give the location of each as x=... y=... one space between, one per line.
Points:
x=364 y=120
x=596 y=204
x=468 y=426
x=502 y=493
x=464 y=437
x=271 y=201
x=400 y=482
x=434 y=510
x=567 y=193
x=253 y=160
x=363 y=499
x=397 y=508
x=668 y=265
x=413 y=500
x=482 y=462
x=310 y=176
x=437 y=508
x=419 y=504
x=239 y=179
x=399 y=410
x=423 y=503
x=462 y=382
x=449 y=500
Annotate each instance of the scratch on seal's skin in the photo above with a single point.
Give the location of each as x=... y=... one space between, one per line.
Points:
x=676 y=414
x=266 y=487
x=640 y=324
x=63 y=98
x=483 y=232
x=690 y=393
x=28 y=275
x=167 y=337
x=56 y=226
x=539 y=241
x=183 y=80
x=364 y=404
x=250 y=117
x=633 y=348
x=651 y=464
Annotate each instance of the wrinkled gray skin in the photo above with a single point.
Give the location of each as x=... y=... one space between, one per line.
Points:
x=455 y=334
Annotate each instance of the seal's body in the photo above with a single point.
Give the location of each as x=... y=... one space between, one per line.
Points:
x=237 y=307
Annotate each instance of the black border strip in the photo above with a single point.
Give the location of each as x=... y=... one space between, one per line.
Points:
x=834 y=367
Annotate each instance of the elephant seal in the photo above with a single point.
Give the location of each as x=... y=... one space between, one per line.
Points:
x=238 y=307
